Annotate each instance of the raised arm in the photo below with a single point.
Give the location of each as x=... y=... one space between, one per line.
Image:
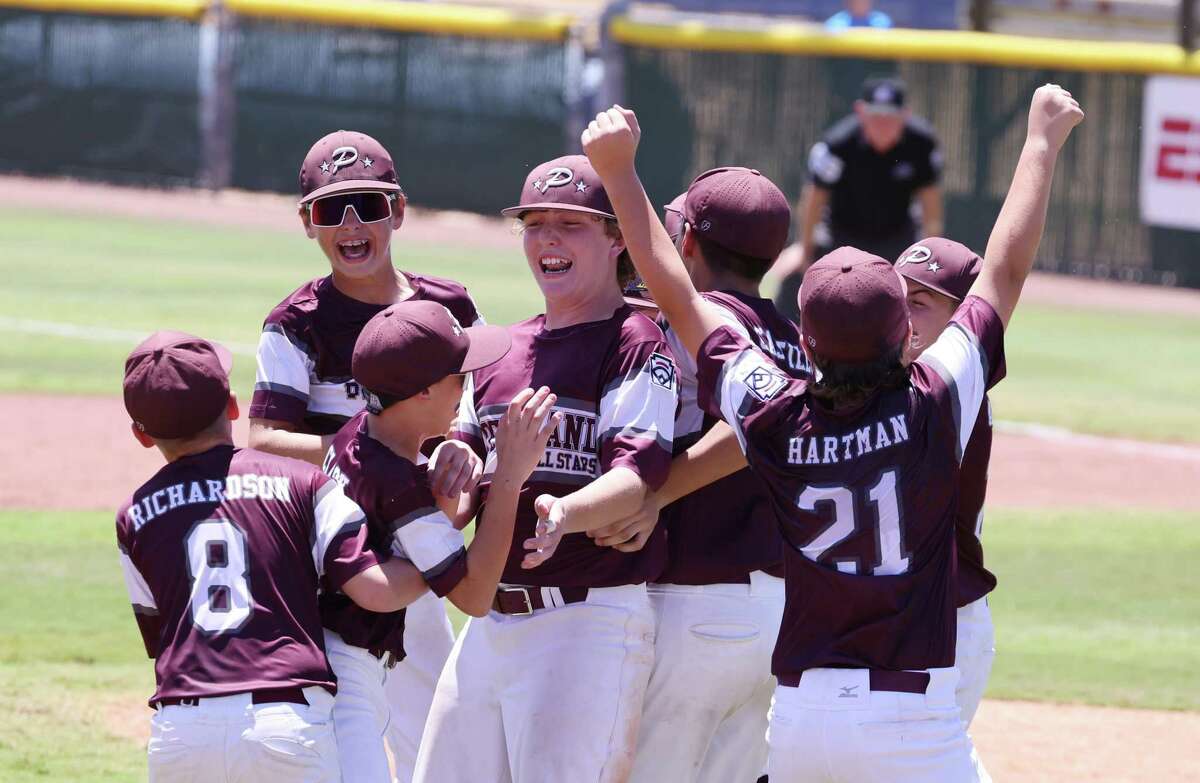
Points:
x=610 y=142
x=1018 y=231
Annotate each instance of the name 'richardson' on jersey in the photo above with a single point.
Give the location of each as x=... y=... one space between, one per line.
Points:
x=247 y=486
x=830 y=450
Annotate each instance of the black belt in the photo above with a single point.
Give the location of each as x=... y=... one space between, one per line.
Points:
x=264 y=696
x=389 y=657
x=527 y=600
x=881 y=680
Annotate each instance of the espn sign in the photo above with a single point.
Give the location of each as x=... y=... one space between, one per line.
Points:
x=1170 y=181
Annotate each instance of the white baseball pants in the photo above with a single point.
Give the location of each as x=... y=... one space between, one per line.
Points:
x=705 y=716
x=360 y=711
x=551 y=696
x=230 y=739
x=428 y=638
x=833 y=728
x=975 y=652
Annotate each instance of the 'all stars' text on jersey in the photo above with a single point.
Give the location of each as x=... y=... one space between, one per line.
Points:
x=829 y=450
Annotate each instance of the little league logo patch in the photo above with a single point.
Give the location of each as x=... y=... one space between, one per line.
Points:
x=763 y=383
x=662 y=371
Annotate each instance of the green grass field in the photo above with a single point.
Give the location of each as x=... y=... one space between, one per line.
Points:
x=1094 y=607
x=1086 y=370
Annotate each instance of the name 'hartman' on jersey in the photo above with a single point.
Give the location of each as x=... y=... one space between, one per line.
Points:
x=829 y=449
x=570 y=449
x=248 y=486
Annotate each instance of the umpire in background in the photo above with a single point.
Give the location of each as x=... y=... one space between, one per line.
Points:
x=863 y=177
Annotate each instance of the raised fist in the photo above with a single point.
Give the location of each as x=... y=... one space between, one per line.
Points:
x=610 y=141
x=1052 y=115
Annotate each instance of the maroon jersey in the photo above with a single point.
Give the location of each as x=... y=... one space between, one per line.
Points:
x=306 y=345
x=615 y=381
x=866 y=499
x=722 y=532
x=402 y=519
x=974 y=581
x=223 y=554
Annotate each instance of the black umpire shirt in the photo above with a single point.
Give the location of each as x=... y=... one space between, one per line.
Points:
x=871 y=194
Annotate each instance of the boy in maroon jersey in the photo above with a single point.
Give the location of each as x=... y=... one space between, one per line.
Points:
x=224 y=551
x=568 y=645
x=351 y=205
x=862 y=469
x=410 y=362
x=719 y=601
x=939 y=274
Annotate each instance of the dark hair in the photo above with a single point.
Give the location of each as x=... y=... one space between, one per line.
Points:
x=626 y=273
x=850 y=385
x=724 y=259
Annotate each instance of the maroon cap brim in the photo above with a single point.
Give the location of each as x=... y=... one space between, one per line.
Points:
x=516 y=211
x=349 y=185
x=929 y=285
x=489 y=344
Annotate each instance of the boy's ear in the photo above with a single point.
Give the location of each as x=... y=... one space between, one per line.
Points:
x=141 y=437
x=231 y=408
x=309 y=231
x=398 y=207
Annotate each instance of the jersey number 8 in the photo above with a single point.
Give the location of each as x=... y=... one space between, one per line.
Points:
x=217 y=563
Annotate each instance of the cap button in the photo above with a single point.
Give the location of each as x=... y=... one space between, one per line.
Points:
x=158 y=353
x=756 y=172
x=846 y=267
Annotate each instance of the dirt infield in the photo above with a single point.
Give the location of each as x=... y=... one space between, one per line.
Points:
x=67 y=452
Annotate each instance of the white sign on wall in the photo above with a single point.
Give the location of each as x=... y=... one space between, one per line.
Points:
x=1170 y=181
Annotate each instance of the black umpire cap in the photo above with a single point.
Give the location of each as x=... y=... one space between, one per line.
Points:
x=883 y=94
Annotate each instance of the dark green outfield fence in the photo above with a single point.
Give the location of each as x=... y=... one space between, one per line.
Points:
x=701 y=109
x=171 y=92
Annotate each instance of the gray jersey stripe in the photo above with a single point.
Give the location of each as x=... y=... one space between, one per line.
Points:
x=973 y=339
x=411 y=516
x=440 y=568
x=943 y=372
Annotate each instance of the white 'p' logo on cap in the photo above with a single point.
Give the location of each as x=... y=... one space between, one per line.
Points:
x=555 y=178
x=343 y=157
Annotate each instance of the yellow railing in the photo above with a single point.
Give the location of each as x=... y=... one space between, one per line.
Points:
x=435 y=18
x=187 y=9
x=923 y=45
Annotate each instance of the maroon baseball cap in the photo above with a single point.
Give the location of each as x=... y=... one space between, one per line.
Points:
x=673 y=216
x=740 y=210
x=568 y=183
x=176 y=384
x=852 y=307
x=412 y=345
x=944 y=265
x=346 y=160
x=637 y=294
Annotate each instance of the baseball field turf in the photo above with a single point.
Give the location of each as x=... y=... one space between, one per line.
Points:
x=1095 y=606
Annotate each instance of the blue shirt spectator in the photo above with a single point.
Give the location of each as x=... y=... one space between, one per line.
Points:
x=858 y=14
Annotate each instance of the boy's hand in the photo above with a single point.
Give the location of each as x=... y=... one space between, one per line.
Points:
x=523 y=431
x=551 y=525
x=453 y=469
x=631 y=533
x=1052 y=116
x=610 y=141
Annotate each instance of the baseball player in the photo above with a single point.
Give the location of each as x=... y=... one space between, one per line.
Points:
x=862 y=467
x=223 y=552
x=719 y=602
x=351 y=205
x=549 y=686
x=409 y=363
x=939 y=273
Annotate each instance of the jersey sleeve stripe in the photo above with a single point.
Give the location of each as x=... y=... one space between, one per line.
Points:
x=336 y=516
x=279 y=388
x=733 y=394
x=412 y=516
x=139 y=591
x=935 y=363
x=633 y=433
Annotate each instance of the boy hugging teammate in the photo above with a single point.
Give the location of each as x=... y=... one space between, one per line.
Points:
x=351 y=205
x=410 y=362
x=224 y=550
